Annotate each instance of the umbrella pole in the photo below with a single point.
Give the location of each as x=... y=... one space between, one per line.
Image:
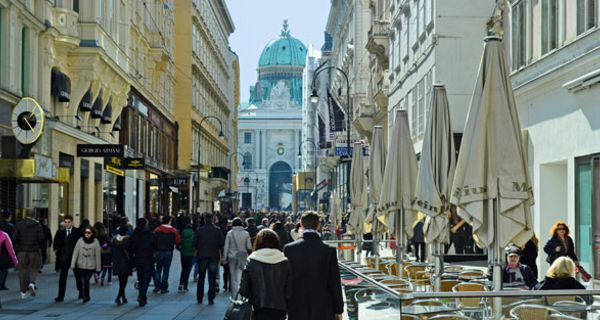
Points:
x=438 y=253
x=375 y=243
x=497 y=262
x=399 y=226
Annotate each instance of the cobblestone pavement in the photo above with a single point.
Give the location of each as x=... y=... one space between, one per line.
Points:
x=173 y=305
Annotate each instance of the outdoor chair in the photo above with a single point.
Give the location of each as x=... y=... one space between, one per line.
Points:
x=395 y=282
x=412 y=271
x=556 y=316
x=427 y=302
x=532 y=312
x=471 y=274
x=471 y=305
x=449 y=317
x=577 y=314
x=508 y=303
x=421 y=284
x=405 y=302
x=551 y=300
x=408 y=317
x=453 y=268
x=447 y=285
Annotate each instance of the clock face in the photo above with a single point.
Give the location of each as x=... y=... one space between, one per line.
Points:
x=27 y=121
x=280 y=151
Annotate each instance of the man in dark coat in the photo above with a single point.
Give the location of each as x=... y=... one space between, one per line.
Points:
x=316 y=280
x=143 y=247
x=64 y=243
x=208 y=244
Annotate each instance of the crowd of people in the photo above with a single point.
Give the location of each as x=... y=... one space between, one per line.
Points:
x=281 y=265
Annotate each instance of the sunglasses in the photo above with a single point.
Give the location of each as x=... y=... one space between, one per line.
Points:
x=561 y=229
x=88 y=232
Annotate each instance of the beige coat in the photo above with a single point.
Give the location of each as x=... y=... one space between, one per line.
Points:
x=86 y=255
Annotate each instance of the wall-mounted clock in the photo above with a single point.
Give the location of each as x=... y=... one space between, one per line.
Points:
x=280 y=151
x=27 y=121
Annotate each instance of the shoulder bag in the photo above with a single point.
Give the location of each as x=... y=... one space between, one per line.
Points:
x=239 y=309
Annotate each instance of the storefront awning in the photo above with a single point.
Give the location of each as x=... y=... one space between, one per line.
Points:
x=85 y=105
x=97 y=107
x=117 y=125
x=107 y=114
x=60 y=86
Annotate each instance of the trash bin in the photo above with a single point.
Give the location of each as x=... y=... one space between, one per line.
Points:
x=346 y=249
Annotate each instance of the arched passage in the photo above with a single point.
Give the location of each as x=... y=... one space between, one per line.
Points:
x=280 y=186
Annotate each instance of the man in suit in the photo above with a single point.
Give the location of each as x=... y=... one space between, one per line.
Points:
x=64 y=244
x=317 y=289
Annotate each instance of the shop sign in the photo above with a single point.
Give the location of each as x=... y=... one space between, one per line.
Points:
x=100 y=150
x=134 y=163
x=44 y=167
x=181 y=181
x=114 y=165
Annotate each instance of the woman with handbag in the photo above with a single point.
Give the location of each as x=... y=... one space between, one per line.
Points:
x=237 y=245
x=121 y=262
x=8 y=258
x=267 y=279
x=561 y=244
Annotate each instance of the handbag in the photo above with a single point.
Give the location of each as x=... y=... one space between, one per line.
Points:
x=5 y=259
x=584 y=274
x=239 y=309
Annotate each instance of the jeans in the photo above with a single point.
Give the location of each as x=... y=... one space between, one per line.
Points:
x=144 y=274
x=104 y=272
x=3 y=275
x=163 y=265
x=29 y=266
x=212 y=266
x=85 y=275
x=236 y=267
x=186 y=268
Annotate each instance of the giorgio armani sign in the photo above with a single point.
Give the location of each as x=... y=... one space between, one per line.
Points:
x=100 y=150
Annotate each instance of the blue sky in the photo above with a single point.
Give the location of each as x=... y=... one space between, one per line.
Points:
x=258 y=21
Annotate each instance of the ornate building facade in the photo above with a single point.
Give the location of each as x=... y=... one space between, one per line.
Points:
x=202 y=103
x=270 y=126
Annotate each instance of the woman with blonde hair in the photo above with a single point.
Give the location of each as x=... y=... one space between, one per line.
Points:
x=561 y=275
x=561 y=244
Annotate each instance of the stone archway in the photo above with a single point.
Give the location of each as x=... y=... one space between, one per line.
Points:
x=280 y=186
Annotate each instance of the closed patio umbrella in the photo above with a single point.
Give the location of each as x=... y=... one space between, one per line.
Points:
x=394 y=209
x=357 y=190
x=375 y=178
x=491 y=183
x=436 y=171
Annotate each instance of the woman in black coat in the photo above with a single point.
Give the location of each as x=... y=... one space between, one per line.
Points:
x=267 y=279
x=561 y=244
x=121 y=259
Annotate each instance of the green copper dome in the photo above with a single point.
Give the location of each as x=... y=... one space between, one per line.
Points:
x=282 y=59
x=283 y=51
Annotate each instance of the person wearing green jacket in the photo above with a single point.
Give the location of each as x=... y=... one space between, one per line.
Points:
x=187 y=256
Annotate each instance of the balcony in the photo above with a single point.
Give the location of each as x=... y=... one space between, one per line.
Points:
x=378 y=42
x=218 y=177
x=65 y=22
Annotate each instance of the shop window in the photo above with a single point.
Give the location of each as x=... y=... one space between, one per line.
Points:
x=587 y=178
x=519 y=35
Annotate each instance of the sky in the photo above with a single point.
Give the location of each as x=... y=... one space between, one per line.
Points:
x=259 y=21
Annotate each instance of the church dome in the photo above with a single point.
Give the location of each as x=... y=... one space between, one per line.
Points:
x=283 y=51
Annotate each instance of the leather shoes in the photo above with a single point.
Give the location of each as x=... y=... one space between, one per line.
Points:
x=211 y=302
x=58 y=299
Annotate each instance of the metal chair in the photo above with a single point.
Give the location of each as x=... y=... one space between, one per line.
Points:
x=427 y=302
x=412 y=270
x=577 y=314
x=447 y=285
x=408 y=317
x=508 y=303
x=556 y=316
x=471 y=305
x=532 y=312
x=471 y=274
x=452 y=316
x=394 y=282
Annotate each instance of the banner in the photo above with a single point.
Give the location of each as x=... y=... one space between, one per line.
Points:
x=336 y=114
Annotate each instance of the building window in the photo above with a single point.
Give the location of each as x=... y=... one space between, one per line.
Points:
x=404 y=41
x=549 y=25
x=519 y=33
x=24 y=61
x=429 y=12
x=421 y=108
x=247 y=162
x=412 y=100
x=414 y=28
x=247 y=137
x=586 y=15
x=76 y=6
x=587 y=198
x=421 y=23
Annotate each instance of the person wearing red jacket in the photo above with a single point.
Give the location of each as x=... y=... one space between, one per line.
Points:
x=167 y=238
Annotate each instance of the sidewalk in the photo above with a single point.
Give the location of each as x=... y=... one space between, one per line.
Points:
x=173 y=305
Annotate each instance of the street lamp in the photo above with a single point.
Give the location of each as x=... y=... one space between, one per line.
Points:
x=314 y=98
x=231 y=165
x=221 y=136
x=314 y=161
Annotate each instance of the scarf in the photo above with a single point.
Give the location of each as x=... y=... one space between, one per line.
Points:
x=269 y=256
